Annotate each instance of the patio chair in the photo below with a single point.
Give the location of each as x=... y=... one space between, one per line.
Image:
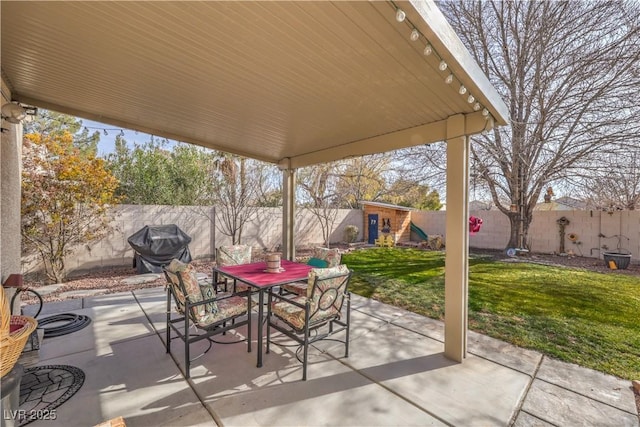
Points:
x=320 y=311
x=232 y=255
x=384 y=240
x=200 y=306
x=320 y=258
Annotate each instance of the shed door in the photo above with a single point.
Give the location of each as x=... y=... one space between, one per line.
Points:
x=373 y=228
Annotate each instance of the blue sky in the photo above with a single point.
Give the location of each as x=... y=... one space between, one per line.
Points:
x=107 y=142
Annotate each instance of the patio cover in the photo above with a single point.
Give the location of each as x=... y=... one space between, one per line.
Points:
x=292 y=83
x=309 y=81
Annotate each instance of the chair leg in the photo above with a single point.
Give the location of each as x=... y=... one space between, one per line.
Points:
x=187 y=356
x=306 y=342
x=306 y=354
x=168 y=332
x=346 y=341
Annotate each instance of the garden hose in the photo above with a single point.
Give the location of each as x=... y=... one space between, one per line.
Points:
x=74 y=322
x=37 y=295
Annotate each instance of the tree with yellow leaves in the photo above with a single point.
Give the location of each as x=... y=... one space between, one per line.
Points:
x=66 y=195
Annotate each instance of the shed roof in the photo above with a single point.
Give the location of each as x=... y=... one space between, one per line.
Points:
x=386 y=205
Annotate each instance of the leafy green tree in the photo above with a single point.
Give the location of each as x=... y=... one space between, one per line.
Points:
x=413 y=194
x=153 y=174
x=50 y=123
x=66 y=195
x=361 y=178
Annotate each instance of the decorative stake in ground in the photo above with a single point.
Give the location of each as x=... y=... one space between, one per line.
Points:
x=562 y=223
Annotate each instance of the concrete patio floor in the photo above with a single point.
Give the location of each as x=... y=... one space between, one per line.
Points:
x=396 y=374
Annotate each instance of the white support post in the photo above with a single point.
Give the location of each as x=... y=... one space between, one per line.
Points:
x=457 y=241
x=288 y=213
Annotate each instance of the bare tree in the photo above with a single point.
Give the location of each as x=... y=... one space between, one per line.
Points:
x=235 y=192
x=614 y=183
x=569 y=73
x=361 y=178
x=318 y=184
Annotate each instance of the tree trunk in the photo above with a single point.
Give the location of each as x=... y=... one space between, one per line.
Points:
x=515 y=231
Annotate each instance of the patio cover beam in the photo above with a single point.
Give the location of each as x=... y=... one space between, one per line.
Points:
x=433 y=132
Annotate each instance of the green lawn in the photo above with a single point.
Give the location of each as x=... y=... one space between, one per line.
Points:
x=591 y=319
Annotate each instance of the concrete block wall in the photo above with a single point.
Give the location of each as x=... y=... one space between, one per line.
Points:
x=263 y=231
x=596 y=231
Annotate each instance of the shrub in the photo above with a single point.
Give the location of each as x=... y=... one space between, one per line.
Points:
x=350 y=233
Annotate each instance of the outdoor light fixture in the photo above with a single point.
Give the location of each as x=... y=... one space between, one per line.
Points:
x=13 y=113
x=429 y=50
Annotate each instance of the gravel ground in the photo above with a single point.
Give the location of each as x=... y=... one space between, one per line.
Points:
x=110 y=280
x=591 y=264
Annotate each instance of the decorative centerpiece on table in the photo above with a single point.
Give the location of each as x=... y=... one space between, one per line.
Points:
x=273 y=262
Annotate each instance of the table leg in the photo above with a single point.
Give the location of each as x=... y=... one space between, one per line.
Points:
x=249 y=310
x=260 y=324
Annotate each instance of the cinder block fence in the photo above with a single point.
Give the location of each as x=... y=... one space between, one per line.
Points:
x=596 y=232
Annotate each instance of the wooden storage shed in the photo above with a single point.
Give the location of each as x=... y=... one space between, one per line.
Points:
x=385 y=218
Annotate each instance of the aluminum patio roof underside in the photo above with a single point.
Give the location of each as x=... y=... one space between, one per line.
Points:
x=294 y=83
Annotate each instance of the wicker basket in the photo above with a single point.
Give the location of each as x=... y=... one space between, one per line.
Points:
x=5 y=312
x=12 y=342
x=11 y=345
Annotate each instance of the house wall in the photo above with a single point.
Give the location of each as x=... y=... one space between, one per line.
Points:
x=597 y=231
x=400 y=222
x=264 y=232
x=10 y=171
x=404 y=226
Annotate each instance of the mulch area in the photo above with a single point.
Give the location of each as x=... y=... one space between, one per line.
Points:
x=586 y=263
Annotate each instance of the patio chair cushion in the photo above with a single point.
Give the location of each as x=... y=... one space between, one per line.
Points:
x=331 y=256
x=317 y=262
x=298 y=288
x=290 y=313
x=226 y=309
x=322 y=273
x=294 y=315
x=321 y=258
x=196 y=291
x=234 y=255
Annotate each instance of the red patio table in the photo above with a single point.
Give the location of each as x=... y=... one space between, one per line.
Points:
x=256 y=276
